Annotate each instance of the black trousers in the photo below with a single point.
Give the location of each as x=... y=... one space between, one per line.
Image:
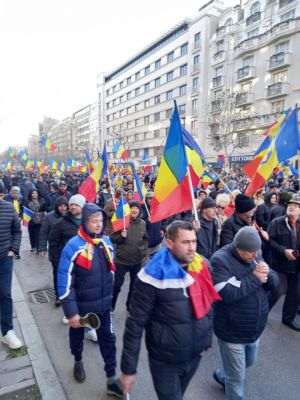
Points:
x=171 y=380
x=106 y=342
x=290 y=286
x=120 y=274
x=34 y=235
x=54 y=269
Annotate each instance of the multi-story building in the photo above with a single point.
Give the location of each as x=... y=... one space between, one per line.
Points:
x=231 y=71
x=61 y=135
x=33 y=147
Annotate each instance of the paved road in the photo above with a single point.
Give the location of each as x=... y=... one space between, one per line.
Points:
x=276 y=375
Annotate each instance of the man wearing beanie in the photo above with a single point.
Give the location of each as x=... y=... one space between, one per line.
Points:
x=244 y=282
x=243 y=216
x=85 y=285
x=131 y=251
x=207 y=234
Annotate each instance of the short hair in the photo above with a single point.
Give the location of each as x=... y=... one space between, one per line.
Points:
x=223 y=198
x=173 y=228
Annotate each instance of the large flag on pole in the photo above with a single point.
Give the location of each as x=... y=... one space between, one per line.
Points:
x=172 y=193
x=90 y=186
x=121 y=217
x=195 y=157
x=283 y=147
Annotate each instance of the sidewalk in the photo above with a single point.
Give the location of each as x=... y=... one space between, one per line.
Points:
x=27 y=373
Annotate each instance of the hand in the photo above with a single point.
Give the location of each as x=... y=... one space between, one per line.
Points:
x=262 y=277
x=124 y=233
x=264 y=234
x=127 y=381
x=74 y=321
x=262 y=268
x=10 y=253
x=196 y=225
x=289 y=254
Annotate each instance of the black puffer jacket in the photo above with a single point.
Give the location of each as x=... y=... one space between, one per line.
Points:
x=173 y=335
x=207 y=237
x=10 y=230
x=60 y=234
x=280 y=238
x=230 y=227
x=242 y=314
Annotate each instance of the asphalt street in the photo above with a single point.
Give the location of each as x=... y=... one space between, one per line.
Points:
x=275 y=376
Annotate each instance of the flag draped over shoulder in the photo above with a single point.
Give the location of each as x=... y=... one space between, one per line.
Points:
x=283 y=147
x=195 y=157
x=171 y=192
x=271 y=132
x=90 y=186
x=121 y=217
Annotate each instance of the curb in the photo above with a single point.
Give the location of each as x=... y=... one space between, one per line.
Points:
x=46 y=377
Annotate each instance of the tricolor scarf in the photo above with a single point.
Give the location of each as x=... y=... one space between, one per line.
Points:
x=85 y=258
x=163 y=271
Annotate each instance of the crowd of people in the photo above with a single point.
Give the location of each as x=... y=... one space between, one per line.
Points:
x=221 y=272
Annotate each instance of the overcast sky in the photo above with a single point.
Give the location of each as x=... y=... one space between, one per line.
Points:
x=52 y=51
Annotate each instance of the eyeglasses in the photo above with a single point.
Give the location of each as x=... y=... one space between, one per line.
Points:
x=222 y=208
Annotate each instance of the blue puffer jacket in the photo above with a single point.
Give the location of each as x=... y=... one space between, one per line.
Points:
x=242 y=314
x=83 y=290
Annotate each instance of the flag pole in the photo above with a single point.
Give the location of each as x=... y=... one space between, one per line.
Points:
x=192 y=194
x=111 y=189
x=123 y=216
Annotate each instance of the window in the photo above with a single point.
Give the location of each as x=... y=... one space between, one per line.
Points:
x=136 y=107
x=183 y=70
x=283 y=3
x=255 y=7
x=128 y=109
x=282 y=47
x=170 y=56
x=136 y=122
x=147 y=120
x=182 y=90
x=137 y=91
x=253 y=33
x=184 y=49
x=228 y=22
x=248 y=61
x=137 y=75
x=128 y=124
x=157 y=117
x=147 y=87
x=197 y=38
x=279 y=77
x=195 y=83
x=114 y=88
x=128 y=95
x=168 y=115
x=121 y=98
x=243 y=140
x=107 y=106
x=193 y=125
x=277 y=106
x=169 y=94
x=196 y=60
x=288 y=15
x=146 y=103
x=169 y=76
x=147 y=70
x=181 y=109
x=220 y=45
x=156 y=133
x=219 y=70
x=157 y=63
x=128 y=80
x=195 y=105
x=157 y=82
x=121 y=84
x=107 y=92
x=157 y=99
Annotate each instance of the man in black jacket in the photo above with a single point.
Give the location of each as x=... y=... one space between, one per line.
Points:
x=240 y=318
x=243 y=216
x=178 y=328
x=10 y=241
x=207 y=235
x=284 y=240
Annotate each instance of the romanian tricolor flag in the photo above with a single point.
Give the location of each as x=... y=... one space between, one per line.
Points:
x=206 y=179
x=90 y=166
x=271 y=132
x=121 y=218
x=283 y=147
x=172 y=193
x=90 y=186
x=120 y=152
x=27 y=216
x=195 y=157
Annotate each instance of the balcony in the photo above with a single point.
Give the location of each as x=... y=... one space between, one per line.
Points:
x=279 y=60
x=284 y=3
x=196 y=68
x=246 y=72
x=277 y=89
x=221 y=30
x=243 y=99
x=253 y=18
x=216 y=106
x=217 y=82
x=219 y=57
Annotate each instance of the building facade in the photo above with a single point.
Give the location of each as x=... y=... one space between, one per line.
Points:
x=231 y=71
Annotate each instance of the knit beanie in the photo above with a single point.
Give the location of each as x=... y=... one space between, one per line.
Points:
x=243 y=204
x=208 y=202
x=247 y=239
x=77 y=199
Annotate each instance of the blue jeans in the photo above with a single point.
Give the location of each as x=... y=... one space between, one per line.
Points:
x=6 y=304
x=171 y=380
x=235 y=358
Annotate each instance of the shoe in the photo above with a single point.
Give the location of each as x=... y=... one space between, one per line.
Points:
x=91 y=335
x=114 y=389
x=11 y=340
x=79 y=372
x=17 y=257
x=33 y=250
x=65 y=320
x=57 y=303
x=219 y=380
x=295 y=326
